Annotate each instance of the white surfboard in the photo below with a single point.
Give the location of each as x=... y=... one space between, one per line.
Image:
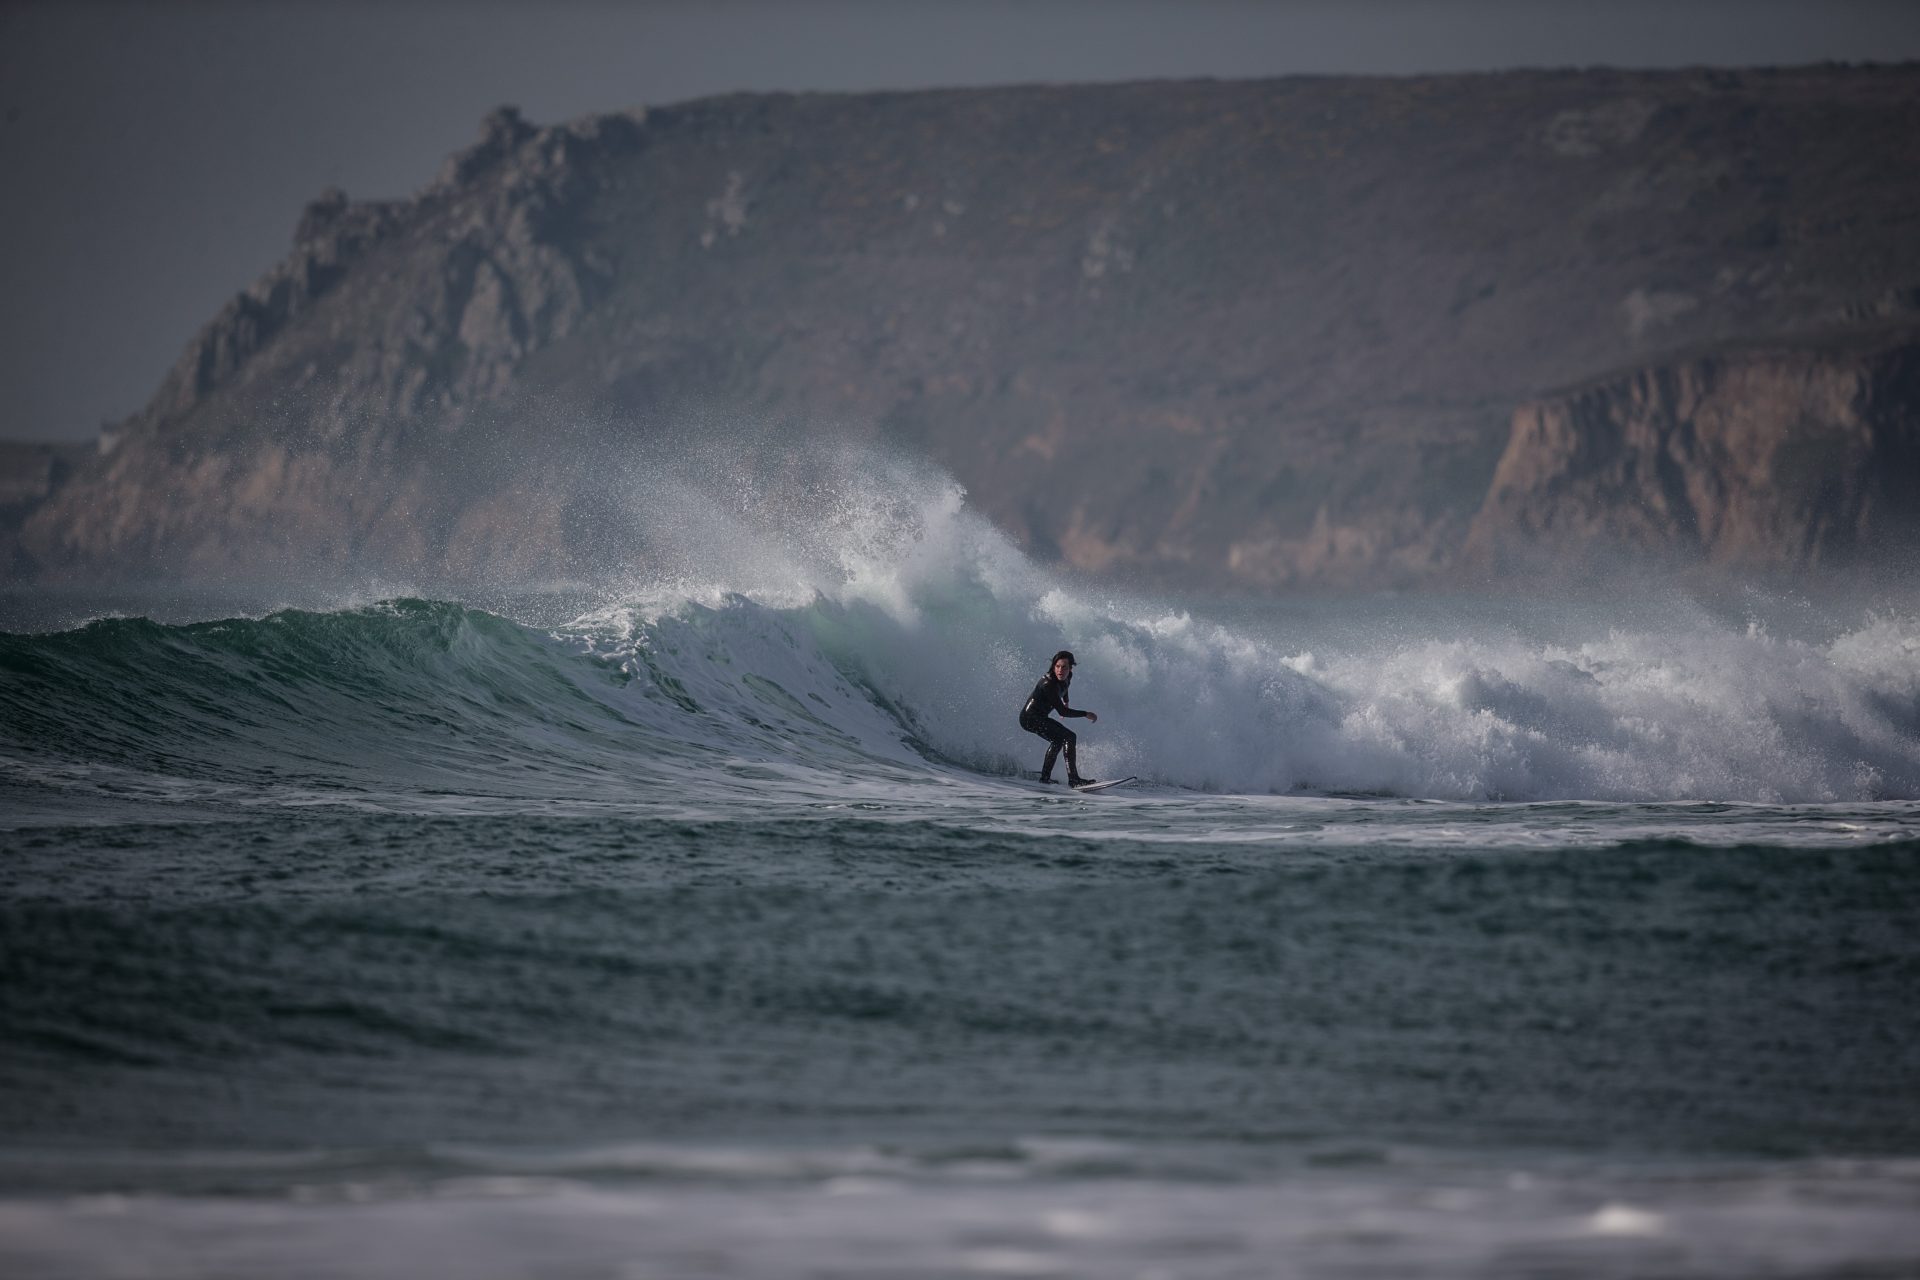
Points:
x=1102 y=786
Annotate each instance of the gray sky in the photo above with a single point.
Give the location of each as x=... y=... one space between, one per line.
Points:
x=157 y=155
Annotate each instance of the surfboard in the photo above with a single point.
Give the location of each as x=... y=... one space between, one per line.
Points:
x=1102 y=786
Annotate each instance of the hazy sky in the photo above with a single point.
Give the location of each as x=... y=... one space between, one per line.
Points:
x=156 y=156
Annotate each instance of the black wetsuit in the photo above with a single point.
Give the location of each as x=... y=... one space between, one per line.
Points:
x=1048 y=696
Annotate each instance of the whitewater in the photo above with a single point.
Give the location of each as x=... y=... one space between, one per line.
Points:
x=704 y=919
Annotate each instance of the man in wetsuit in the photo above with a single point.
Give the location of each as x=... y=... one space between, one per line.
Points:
x=1050 y=695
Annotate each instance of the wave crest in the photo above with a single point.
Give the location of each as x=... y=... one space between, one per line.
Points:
x=852 y=614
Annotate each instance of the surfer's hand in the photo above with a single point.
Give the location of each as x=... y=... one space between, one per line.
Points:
x=1092 y=718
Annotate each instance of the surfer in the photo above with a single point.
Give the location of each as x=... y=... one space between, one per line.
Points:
x=1048 y=696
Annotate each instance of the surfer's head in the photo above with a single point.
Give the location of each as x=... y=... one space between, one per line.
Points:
x=1062 y=665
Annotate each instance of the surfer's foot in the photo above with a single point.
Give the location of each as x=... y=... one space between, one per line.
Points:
x=1045 y=780
x=1081 y=782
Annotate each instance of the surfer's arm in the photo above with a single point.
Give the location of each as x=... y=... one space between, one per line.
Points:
x=1047 y=698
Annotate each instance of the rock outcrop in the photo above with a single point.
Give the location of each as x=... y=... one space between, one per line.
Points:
x=456 y=288
x=1261 y=334
x=1779 y=457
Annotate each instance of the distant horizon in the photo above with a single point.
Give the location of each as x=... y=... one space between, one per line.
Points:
x=170 y=149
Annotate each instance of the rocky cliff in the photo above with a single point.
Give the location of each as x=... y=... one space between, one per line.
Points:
x=1798 y=456
x=1263 y=333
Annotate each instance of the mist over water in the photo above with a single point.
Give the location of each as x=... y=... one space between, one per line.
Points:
x=861 y=590
x=668 y=919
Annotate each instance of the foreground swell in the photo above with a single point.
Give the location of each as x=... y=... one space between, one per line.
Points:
x=729 y=979
x=349 y=1043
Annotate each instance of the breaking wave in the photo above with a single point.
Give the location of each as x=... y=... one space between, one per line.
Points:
x=858 y=618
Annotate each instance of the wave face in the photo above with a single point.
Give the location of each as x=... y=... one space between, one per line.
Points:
x=860 y=619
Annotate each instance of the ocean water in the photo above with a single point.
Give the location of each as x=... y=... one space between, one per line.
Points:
x=700 y=922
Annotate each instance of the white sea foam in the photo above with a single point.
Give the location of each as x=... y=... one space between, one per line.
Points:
x=1441 y=1220
x=854 y=578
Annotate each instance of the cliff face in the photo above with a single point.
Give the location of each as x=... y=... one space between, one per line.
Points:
x=316 y=422
x=1782 y=458
x=1261 y=333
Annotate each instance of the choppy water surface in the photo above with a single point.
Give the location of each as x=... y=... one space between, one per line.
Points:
x=702 y=925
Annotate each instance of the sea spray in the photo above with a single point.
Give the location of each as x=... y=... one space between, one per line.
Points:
x=847 y=612
x=914 y=598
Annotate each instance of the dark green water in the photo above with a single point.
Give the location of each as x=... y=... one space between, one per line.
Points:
x=722 y=940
